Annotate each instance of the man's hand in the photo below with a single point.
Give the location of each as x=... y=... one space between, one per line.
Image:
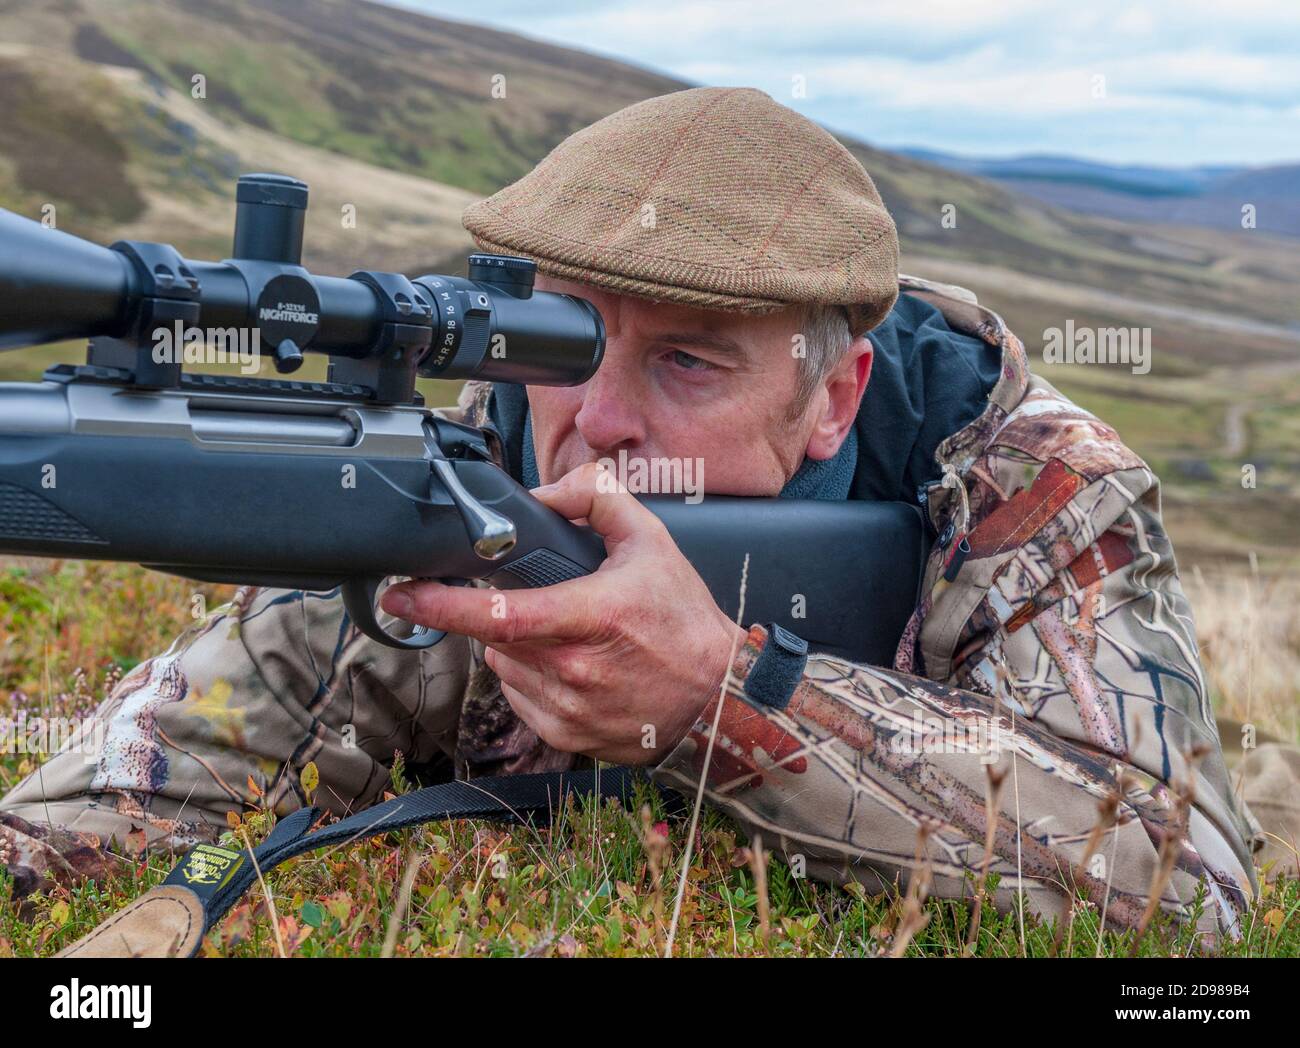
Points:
x=616 y=665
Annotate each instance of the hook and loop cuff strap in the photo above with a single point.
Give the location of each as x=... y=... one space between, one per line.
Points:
x=777 y=671
x=171 y=919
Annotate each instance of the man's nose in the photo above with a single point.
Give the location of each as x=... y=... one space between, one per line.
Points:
x=610 y=417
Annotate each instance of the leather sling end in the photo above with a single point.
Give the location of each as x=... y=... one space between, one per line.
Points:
x=166 y=921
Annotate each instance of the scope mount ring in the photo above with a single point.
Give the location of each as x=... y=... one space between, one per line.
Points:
x=359 y=598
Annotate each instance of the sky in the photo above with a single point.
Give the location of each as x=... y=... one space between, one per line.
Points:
x=1169 y=83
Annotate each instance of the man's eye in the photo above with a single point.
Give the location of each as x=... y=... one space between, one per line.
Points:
x=689 y=361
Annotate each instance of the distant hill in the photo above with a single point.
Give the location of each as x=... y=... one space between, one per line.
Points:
x=1203 y=196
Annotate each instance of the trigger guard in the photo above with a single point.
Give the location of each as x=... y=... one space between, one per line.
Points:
x=359 y=600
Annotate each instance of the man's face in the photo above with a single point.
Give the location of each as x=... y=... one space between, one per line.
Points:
x=686 y=383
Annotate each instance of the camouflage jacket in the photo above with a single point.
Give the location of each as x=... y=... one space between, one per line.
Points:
x=1052 y=601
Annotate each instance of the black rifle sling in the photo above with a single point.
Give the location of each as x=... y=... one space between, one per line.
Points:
x=220 y=877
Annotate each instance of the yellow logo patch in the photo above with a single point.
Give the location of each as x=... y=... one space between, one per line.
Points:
x=208 y=865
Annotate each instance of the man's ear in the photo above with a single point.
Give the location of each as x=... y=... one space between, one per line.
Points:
x=843 y=392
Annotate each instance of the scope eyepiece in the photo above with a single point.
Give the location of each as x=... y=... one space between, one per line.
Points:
x=492 y=326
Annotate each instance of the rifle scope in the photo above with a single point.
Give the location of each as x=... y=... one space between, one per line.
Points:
x=379 y=329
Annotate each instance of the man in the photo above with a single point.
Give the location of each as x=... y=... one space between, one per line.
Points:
x=746 y=271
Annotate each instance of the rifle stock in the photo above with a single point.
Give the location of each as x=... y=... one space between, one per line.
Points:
x=304 y=493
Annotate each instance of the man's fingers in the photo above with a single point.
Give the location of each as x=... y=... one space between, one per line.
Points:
x=593 y=492
x=525 y=679
x=535 y=698
x=492 y=616
x=547 y=728
x=542 y=701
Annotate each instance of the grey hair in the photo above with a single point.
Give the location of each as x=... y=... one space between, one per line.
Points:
x=826 y=335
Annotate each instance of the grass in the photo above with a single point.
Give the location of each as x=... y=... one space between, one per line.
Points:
x=1249 y=631
x=585 y=884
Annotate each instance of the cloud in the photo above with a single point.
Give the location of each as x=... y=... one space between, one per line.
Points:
x=1185 y=81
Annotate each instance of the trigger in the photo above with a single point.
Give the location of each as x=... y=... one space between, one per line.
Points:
x=359 y=600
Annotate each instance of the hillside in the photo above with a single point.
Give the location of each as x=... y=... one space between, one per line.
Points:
x=1202 y=196
x=395 y=114
x=92 y=85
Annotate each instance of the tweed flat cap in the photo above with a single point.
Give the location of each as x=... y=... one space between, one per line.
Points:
x=714 y=197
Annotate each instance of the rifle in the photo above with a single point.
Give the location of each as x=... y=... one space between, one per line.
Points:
x=344 y=483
